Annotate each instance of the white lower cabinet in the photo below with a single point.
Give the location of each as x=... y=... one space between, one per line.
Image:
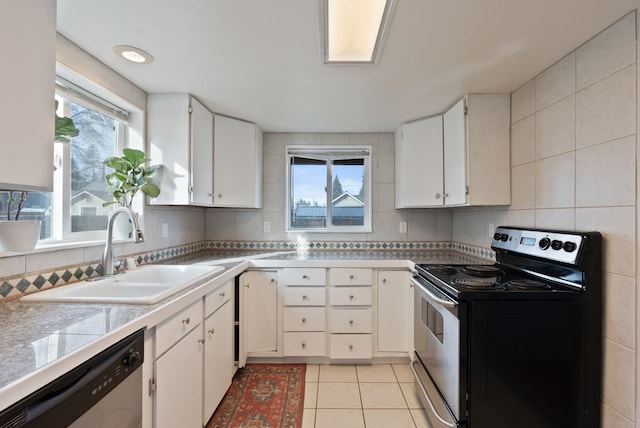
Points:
x=259 y=312
x=395 y=312
x=179 y=383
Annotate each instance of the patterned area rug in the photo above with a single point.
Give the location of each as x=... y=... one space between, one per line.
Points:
x=263 y=396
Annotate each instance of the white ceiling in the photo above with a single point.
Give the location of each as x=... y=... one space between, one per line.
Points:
x=260 y=60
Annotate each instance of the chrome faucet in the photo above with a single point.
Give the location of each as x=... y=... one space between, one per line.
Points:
x=107 y=257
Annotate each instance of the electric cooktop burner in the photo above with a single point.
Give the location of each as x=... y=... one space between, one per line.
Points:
x=481 y=270
x=527 y=284
x=475 y=282
x=441 y=270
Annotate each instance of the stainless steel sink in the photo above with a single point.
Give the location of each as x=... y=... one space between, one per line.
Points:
x=144 y=286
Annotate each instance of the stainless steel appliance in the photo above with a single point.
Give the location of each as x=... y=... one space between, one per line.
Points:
x=104 y=391
x=516 y=343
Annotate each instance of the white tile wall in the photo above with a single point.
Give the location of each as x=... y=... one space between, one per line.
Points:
x=575 y=126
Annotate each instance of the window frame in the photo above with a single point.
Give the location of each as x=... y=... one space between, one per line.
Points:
x=330 y=153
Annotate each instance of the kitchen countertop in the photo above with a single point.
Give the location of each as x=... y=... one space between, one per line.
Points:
x=42 y=341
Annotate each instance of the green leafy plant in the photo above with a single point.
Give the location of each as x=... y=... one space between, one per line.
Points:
x=65 y=130
x=130 y=176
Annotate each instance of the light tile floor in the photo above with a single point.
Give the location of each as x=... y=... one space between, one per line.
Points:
x=359 y=396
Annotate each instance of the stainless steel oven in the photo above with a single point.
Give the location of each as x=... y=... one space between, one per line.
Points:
x=104 y=391
x=516 y=343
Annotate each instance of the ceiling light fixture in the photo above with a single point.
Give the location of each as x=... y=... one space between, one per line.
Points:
x=353 y=31
x=133 y=54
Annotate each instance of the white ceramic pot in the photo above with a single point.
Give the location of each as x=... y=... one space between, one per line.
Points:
x=19 y=235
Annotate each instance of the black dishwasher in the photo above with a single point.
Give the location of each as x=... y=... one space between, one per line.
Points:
x=107 y=386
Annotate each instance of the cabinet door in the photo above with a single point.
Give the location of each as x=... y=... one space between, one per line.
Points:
x=237 y=163
x=179 y=384
x=218 y=358
x=455 y=156
x=28 y=76
x=259 y=311
x=419 y=167
x=201 y=154
x=395 y=312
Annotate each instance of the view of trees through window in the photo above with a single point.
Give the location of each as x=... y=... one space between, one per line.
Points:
x=316 y=184
x=82 y=172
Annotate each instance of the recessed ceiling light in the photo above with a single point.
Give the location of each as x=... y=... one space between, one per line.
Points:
x=133 y=54
x=354 y=31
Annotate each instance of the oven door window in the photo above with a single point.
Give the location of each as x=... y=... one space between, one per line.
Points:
x=432 y=319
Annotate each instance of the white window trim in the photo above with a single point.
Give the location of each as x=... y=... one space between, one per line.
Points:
x=330 y=152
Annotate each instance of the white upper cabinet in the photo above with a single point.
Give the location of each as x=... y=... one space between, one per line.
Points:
x=419 y=165
x=237 y=166
x=477 y=168
x=180 y=134
x=28 y=88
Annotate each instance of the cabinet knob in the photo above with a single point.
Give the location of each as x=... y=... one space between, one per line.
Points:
x=223 y=294
x=304 y=345
x=351 y=297
x=305 y=277
x=201 y=341
x=247 y=286
x=186 y=321
x=350 y=322
x=446 y=195
x=305 y=297
x=384 y=280
x=213 y=330
x=350 y=347
x=272 y=280
x=351 y=277
x=219 y=195
x=304 y=320
x=438 y=195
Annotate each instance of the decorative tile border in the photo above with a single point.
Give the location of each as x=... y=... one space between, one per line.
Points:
x=12 y=288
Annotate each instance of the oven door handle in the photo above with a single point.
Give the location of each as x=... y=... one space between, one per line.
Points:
x=443 y=302
x=428 y=399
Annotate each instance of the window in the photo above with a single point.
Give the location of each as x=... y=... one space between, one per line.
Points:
x=329 y=188
x=74 y=211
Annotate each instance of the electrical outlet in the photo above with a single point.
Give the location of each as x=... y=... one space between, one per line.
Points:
x=403 y=227
x=165 y=230
x=266 y=226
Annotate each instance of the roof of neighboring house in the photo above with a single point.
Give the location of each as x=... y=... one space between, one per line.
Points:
x=94 y=189
x=347 y=199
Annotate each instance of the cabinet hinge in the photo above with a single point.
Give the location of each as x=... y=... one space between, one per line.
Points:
x=466 y=109
x=190 y=189
x=466 y=190
x=191 y=110
x=152 y=385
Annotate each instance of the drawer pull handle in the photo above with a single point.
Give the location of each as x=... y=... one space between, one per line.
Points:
x=350 y=347
x=213 y=330
x=186 y=321
x=304 y=320
x=305 y=277
x=351 y=277
x=304 y=345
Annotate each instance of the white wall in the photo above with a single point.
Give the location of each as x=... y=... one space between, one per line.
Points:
x=422 y=225
x=574 y=165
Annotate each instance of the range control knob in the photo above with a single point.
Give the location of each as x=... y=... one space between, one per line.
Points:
x=504 y=237
x=497 y=236
x=544 y=243
x=556 y=244
x=131 y=359
x=569 y=246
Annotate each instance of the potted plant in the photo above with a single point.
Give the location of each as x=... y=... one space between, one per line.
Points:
x=129 y=176
x=23 y=235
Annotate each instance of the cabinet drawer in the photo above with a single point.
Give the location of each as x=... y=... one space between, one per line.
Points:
x=304 y=344
x=303 y=276
x=303 y=319
x=350 y=346
x=304 y=296
x=350 y=321
x=350 y=276
x=350 y=296
x=217 y=298
x=173 y=329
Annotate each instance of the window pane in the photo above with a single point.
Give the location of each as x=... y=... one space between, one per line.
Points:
x=308 y=193
x=95 y=142
x=348 y=192
x=37 y=206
